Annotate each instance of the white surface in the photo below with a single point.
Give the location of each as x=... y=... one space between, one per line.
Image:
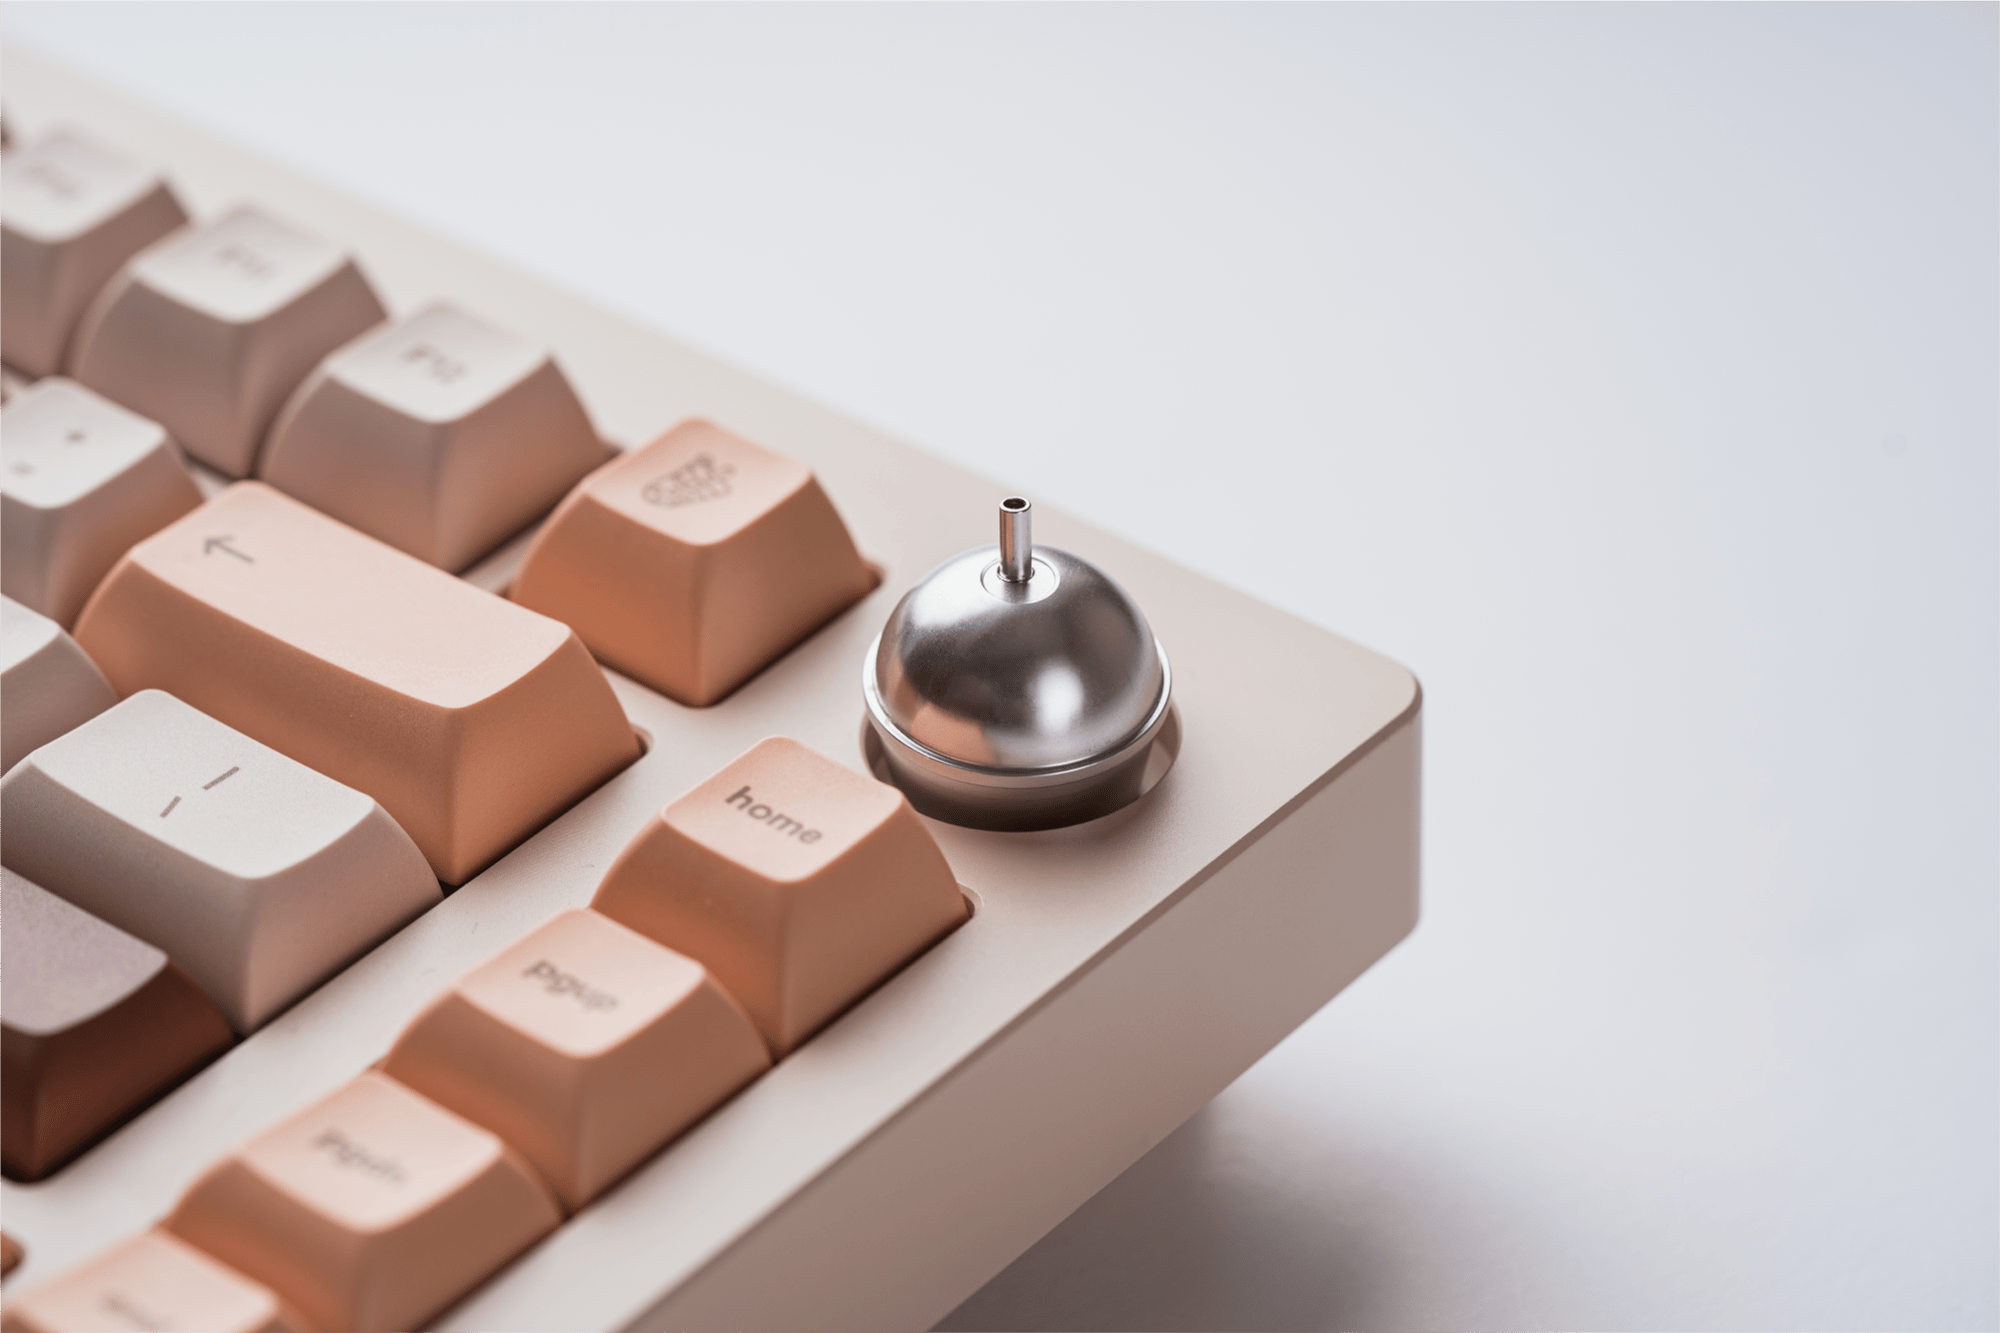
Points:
x=1628 y=372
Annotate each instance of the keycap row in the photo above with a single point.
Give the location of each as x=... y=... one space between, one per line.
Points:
x=689 y=564
x=440 y=434
x=741 y=919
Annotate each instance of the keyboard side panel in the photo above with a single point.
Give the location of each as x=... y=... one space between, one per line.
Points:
x=1024 y=1131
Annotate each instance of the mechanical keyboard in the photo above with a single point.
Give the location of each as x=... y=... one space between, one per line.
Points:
x=1056 y=1001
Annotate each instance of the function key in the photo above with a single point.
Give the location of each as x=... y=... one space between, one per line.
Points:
x=586 y=1046
x=153 y=1281
x=71 y=212
x=473 y=721
x=96 y=1023
x=798 y=882
x=49 y=683
x=257 y=875
x=693 y=563
x=209 y=331
x=81 y=479
x=440 y=434
x=374 y=1209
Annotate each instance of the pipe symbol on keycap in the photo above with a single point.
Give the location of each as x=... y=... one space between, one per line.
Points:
x=214 y=544
x=210 y=785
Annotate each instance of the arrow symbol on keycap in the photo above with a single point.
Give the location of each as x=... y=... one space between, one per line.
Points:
x=214 y=544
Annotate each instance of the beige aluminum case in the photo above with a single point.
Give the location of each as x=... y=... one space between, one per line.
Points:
x=1116 y=976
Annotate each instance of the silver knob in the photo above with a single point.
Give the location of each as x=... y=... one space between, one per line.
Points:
x=1017 y=687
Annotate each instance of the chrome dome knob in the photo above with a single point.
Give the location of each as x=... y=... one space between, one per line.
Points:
x=1017 y=687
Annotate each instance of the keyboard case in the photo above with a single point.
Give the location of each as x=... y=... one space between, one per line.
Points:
x=1116 y=976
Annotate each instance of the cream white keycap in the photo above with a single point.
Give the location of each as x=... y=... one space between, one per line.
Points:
x=257 y=875
x=440 y=434
x=81 y=480
x=209 y=331
x=47 y=683
x=71 y=212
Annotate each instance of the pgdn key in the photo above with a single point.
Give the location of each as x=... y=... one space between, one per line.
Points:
x=472 y=721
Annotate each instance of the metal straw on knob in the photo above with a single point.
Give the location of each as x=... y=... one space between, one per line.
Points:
x=1017 y=546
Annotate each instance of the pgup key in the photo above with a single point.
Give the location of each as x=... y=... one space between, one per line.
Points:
x=258 y=876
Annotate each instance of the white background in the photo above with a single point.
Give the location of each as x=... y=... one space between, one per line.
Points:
x=1628 y=372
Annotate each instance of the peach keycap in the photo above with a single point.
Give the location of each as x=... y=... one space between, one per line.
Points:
x=96 y=1024
x=586 y=1046
x=153 y=1281
x=374 y=1209
x=693 y=563
x=471 y=720
x=798 y=882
